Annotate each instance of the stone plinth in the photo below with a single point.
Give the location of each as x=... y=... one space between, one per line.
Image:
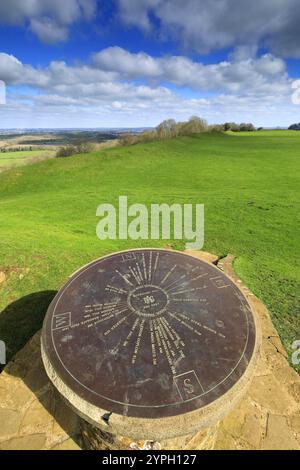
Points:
x=97 y=439
x=33 y=416
x=150 y=343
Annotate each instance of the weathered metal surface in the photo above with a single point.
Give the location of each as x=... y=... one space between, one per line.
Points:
x=149 y=333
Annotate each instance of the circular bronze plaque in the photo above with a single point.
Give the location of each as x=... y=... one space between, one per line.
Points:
x=149 y=333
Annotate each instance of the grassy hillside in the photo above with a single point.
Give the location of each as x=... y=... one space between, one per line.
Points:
x=249 y=184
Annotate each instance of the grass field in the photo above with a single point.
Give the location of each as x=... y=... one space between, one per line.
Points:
x=249 y=184
x=13 y=159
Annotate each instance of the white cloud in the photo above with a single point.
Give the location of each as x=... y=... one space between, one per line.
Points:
x=48 y=30
x=133 y=65
x=256 y=74
x=207 y=25
x=104 y=91
x=58 y=73
x=10 y=68
x=204 y=25
x=101 y=110
x=48 y=19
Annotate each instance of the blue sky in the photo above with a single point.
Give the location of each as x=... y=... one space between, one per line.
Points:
x=88 y=63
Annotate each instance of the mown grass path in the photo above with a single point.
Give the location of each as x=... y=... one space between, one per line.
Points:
x=249 y=184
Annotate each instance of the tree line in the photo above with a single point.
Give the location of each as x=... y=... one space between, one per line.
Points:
x=170 y=128
x=15 y=149
x=167 y=129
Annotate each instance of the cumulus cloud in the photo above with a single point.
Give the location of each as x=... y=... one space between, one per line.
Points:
x=48 y=19
x=108 y=87
x=48 y=30
x=254 y=75
x=209 y=25
x=204 y=25
x=14 y=72
x=238 y=75
x=10 y=68
x=119 y=60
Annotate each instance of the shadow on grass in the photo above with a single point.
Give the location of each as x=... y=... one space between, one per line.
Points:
x=20 y=323
x=20 y=320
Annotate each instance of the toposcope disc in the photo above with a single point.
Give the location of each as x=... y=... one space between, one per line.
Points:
x=149 y=333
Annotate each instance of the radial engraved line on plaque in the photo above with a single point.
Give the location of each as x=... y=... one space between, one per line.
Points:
x=100 y=320
x=126 y=342
x=131 y=332
x=135 y=276
x=150 y=267
x=168 y=354
x=107 y=307
x=115 y=290
x=107 y=315
x=138 y=269
x=198 y=277
x=178 y=341
x=219 y=282
x=193 y=289
x=174 y=338
x=155 y=267
x=173 y=299
x=176 y=283
x=138 y=342
x=157 y=337
x=199 y=269
x=116 y=325
x=139 y=274
x=196 y=322
x=187 y=325
x=193 y=269
x=144 y=267
x=168 y=274
x=119 y=308
x=96 y=309
x=124 y=277
x=153 y=345
x=165 y=336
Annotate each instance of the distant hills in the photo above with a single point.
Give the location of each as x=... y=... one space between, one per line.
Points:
x=56 y=137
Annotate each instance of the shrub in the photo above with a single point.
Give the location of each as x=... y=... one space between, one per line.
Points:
x=66 y=151
x=83 y=147
x=79 y=147
x=243 y=127
x=148 y=136
x=194 y=125
x=247 y=127
x=128 y=139
x=217 y=128
x=166 y=129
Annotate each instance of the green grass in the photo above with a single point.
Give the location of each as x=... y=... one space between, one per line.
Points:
x=13 y=159
x=249 y=184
